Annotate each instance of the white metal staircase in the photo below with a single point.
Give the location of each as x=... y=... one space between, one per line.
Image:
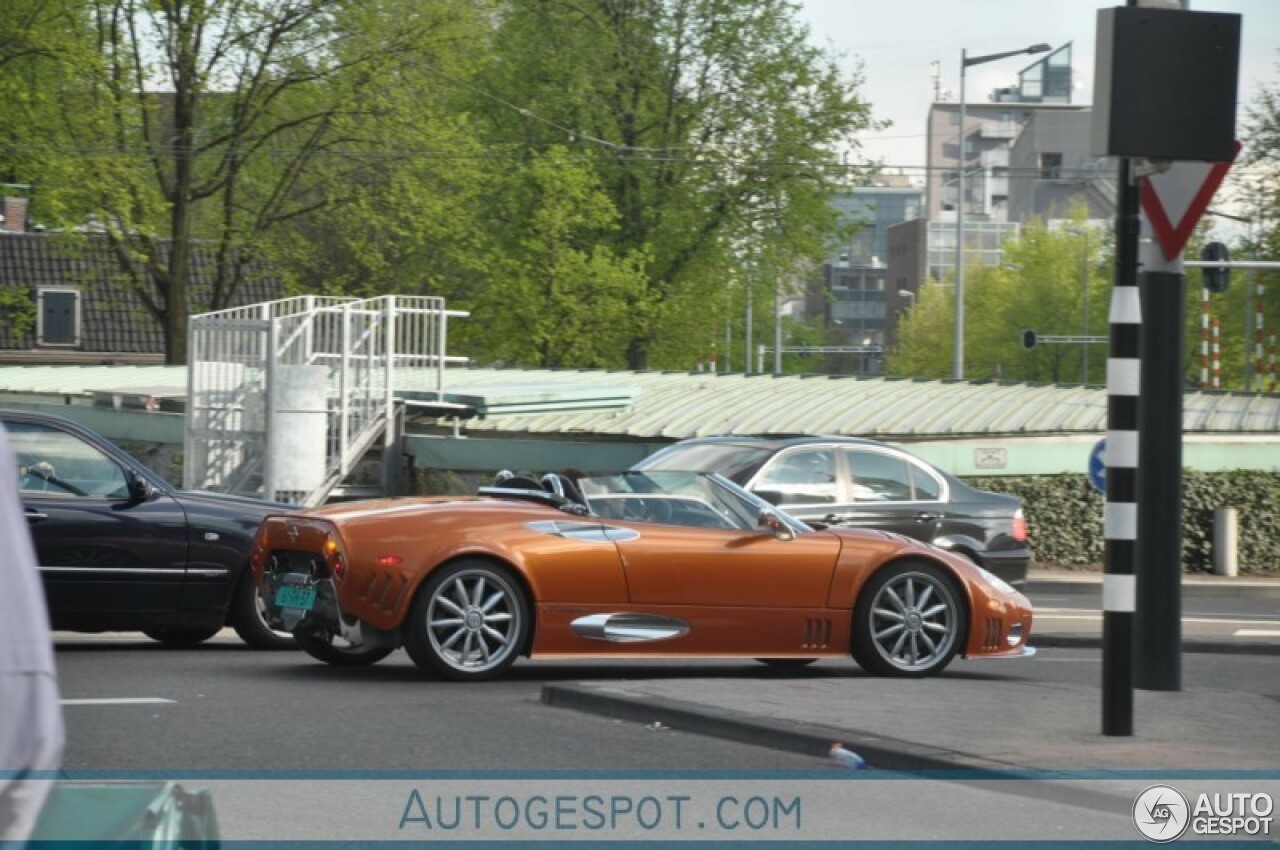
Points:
x=285 y=397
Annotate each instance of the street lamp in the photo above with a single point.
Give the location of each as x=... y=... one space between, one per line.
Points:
x=966 y=60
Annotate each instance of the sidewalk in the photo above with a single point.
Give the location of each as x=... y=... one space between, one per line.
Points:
x=972 y=717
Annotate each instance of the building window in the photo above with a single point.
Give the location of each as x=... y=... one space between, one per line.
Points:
x=57 y=316
x=1050 y=166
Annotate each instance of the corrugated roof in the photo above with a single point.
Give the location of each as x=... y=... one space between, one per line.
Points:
x=680 y=405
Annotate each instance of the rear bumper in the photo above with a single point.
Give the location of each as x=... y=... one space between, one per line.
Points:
x=1011 y=565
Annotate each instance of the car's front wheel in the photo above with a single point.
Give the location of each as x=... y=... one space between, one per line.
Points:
x=334 y=650
x=249 y=618
x=910 y=620
x=469 y=622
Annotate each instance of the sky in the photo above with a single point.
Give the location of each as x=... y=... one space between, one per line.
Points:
x=897 y=41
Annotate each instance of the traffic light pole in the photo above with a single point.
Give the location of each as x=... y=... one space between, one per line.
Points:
x=1120 y=512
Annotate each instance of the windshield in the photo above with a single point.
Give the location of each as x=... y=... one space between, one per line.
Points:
x=736 y=462
x=706 y=500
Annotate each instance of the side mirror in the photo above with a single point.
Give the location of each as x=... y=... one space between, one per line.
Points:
x=779 y=529
x=137 y=486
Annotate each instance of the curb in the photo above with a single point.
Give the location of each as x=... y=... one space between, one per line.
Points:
x=804 y=739
x=1195 y=645
x=880 y=753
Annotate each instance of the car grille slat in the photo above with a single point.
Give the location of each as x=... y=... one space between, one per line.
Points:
x=994 y=636
x=385 y=590
x=817 y=633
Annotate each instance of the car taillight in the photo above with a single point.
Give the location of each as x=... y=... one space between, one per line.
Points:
x=259 y=553
x=333 y=557
x=1019 y=526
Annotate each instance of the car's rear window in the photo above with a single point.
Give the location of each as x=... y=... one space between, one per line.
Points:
x=737 y=463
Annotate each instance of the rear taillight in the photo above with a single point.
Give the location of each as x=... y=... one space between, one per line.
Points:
x=333 y=557
x=1019 y=526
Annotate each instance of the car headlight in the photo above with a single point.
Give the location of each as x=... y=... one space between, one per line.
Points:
x=995 y=580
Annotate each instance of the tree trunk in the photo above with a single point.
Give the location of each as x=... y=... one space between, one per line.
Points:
x=638 y=355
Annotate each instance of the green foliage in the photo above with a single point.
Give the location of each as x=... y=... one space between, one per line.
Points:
x=714 y=129
x=561 y=296
x=17 y=311
x=1054 y=281
x=1064 y=516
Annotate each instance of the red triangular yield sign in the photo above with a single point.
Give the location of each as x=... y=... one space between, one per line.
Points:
x=1175 y=199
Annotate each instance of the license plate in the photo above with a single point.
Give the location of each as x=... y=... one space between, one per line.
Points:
x=294 y=596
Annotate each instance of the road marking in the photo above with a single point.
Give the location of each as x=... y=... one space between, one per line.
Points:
x=1080 y=614
x=1257 y=633
x=118 y=701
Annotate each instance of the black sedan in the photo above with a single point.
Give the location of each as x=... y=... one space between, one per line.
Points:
x=865 y=484
x=120 y=549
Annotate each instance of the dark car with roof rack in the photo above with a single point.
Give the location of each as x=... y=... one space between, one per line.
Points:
x=862 y=483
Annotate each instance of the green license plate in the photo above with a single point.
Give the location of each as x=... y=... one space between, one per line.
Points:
x=295 y=596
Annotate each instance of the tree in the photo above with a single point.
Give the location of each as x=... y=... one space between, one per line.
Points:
x=716 y=130
x=186 y=120
x=1049 y=280
x=561 y=296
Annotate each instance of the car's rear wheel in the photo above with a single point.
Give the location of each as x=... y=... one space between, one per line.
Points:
x=176 y=636
x=910 y=620
x=786 y=663
x=249 y=618
x=332 y=649
x=469 y=622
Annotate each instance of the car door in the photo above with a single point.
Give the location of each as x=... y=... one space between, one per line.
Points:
x=892 y=492
x=99 y=549
x=727 y=568
x=732 y=591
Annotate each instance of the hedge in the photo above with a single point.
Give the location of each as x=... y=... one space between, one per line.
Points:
x=1064 y=516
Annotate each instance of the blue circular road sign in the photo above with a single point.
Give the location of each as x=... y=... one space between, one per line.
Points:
x=1098 y=466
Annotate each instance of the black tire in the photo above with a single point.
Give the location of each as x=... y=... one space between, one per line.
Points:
x=786 y=663
x=181 y=637
x=249 y=619
x=910 y=621
x=469 y=622
x=324 y=648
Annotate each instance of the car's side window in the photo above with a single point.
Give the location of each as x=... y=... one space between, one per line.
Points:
x=878 y=477
x=800 y=477
x=927 y=487
x=54 y=462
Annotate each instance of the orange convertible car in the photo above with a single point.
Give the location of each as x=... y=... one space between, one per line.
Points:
x=663 y=564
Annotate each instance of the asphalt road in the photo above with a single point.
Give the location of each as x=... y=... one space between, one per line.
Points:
x=226 y=707
x=1219 y=613
x=134 y=705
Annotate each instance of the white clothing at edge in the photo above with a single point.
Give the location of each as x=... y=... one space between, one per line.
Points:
x=31 y=730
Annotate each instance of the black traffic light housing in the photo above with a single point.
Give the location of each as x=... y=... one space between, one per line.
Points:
x=1216 y=279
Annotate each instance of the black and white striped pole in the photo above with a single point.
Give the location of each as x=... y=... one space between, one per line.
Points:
x=1120 y=511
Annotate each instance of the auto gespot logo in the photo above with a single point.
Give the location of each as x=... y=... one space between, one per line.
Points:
x=1162 y=814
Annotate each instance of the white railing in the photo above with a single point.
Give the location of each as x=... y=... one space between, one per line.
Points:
x=285 y=397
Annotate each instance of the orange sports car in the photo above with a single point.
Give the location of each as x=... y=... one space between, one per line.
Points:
x=640 y=564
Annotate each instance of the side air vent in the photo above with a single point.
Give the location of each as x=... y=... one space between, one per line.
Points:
x=993 y=637
x=817 y=633
x=384 y=591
